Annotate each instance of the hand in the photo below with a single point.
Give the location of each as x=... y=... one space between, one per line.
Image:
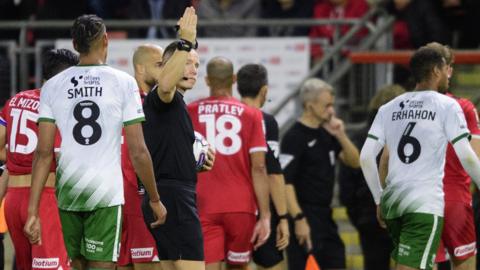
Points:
x=380 y=219
x=261 y=232
x=283 y=234
x=159 y=213
x=188 y=25
x=209 y=161
x=32 y=230
x=335 y=126
x=302 y=232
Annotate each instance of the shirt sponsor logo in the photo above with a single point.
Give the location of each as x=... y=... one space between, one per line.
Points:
x=238 y=256
x=139 y=253
x=45 y=263
x=465 y=249
x=312 y=143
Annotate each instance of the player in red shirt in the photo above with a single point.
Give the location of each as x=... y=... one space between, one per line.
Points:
x=458 y=236
x=138 y=248
x=228 y=195
x=18 y=134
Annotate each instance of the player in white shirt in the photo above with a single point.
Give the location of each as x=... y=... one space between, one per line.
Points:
x=89 y=104
x=416 y=127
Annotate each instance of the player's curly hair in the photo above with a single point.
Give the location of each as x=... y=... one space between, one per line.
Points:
x=423 y=62
x=85 y=30
x=56 y=60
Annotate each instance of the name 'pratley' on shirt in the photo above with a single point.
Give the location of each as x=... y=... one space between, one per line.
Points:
x=220 y=108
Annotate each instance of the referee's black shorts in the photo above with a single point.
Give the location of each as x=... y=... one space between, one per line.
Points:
x=180 y=237
x=268 y=255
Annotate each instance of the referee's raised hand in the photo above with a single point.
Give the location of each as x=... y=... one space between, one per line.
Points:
x=188 y=25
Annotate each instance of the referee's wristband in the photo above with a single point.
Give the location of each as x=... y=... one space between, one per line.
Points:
x=299 y=216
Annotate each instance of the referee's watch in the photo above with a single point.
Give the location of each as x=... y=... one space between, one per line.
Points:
x=185 y=45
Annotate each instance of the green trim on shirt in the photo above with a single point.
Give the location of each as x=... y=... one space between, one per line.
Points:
x=134 y=121
x=466 y=134
x=372 y=137
x=45 y=119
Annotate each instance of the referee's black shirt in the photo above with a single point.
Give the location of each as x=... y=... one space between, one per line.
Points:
x=308 y=159
x=169 y=136
x=273 y=148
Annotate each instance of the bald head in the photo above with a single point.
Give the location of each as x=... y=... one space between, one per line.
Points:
x=220 y=73
x=144 y=52
x=147 y=61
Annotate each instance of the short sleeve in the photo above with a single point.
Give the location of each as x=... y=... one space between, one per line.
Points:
x=45 y=112
x=273 y=148
x=376 y=131
x=132 y=103
x=291 y=151
x=471 y=116
x=257 y=142
x=455 y=125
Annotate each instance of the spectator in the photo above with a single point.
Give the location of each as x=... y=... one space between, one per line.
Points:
x=229 y=9
x=287 y=9
x=418 y=22
x=354 y=194
x=463 y=17
x=157 y=10
x=336 y=9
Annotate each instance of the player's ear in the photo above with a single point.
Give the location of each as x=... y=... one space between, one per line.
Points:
x=264 y=91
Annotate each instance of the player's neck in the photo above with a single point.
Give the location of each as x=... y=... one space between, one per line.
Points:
x=252 y=102
x=426 y=86
x=144 y=87
x=93 y=58
x=309 y=120
x=221 y=92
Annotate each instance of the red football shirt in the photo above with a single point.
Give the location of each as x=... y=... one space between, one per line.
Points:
x=19 y=116
x=456 y=182
x=235 y=130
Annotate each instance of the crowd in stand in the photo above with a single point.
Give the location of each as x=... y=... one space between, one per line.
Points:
x=418 y=22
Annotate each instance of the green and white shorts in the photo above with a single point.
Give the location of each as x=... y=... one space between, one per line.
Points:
x=95 y=235
x=415 y=237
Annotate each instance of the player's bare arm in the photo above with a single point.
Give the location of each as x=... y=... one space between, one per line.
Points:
x=142 y=162
x=3 y=184
x=173 y=70
x=261 y=187
x=383 y=166
x=3 y=136
x=277 y=191
x=302 y=228
x=40 y=170
x=349 y=154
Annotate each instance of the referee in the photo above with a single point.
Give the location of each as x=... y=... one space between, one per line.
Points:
x=169 y=137
x=309 y=153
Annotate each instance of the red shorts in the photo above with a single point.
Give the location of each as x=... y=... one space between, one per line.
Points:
x=458 y=236
x=137 y=244
x=228 y=235
x=51 y=253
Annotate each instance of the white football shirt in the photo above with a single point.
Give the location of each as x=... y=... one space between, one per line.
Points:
x=416 y=128
x=89 y=105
